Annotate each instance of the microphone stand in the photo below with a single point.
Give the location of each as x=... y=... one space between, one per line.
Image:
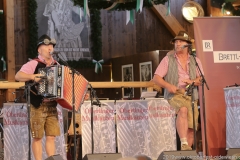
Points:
x=92 y=95
x=203 y=81
x=27 y=89
x=29 y=134
x=73 y=103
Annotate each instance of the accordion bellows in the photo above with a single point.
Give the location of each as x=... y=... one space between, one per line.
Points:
x=58 y=85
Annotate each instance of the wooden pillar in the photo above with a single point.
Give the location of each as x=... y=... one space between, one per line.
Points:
x=8 y=7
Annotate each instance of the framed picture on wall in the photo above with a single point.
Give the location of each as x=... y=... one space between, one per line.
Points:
x=127 y=75
x=145 y=69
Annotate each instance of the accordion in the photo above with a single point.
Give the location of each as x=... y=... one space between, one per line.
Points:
x=58 y=85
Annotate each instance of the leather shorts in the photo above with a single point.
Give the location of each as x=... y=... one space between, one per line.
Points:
x=180 y=100
x=44 y=120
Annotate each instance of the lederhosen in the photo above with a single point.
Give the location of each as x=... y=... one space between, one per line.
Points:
x=178 y=99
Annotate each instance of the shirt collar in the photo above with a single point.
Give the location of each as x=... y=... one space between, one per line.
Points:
x=175 y=55
x=42 y=59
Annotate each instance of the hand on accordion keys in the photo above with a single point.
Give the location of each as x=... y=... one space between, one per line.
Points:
x=38 y=77
x=42 y=77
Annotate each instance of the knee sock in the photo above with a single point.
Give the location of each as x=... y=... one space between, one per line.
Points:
x=183 y=141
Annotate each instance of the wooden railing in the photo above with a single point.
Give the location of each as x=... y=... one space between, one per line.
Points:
x=136 y=84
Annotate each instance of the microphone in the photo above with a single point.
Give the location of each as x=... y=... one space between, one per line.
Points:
x=43 y=77
x=186 y=45
x=54 y=53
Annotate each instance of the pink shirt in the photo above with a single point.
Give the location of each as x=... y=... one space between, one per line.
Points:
x=30 y=66
x=162 y=70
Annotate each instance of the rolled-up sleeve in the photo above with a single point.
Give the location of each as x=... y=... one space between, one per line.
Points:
x=29 y=67
x=162 y=68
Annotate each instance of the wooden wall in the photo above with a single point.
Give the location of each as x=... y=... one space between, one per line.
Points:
x=1 y=4
x=2 y=75
x=21 y=32
x=151 y=33
x=153 y=56
x=147 y=33
x=118 y=39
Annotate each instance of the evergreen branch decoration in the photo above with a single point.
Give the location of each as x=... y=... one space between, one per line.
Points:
x=32 y=29
x=2 y=40
x=128 y=5
x=96 y=34
x=96 y=27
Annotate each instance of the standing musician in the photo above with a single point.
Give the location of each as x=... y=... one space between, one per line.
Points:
x=176 y=71
x=43 y=112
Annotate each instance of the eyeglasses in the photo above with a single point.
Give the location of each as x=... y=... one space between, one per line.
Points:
x=47 y=42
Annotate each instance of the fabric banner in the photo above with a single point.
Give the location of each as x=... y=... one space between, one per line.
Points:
x=145 y=127
x=217 y=46
x=232 y=99
x=15 y=124
x=162 y=127
x=104 y=137
x=133 y=129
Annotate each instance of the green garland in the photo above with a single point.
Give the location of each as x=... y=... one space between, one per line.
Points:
x=32 y=29
x=96 y=43
x=129 y=5
x=228 y=6
x=96 y=34
x=2 y=41
x=96 y=27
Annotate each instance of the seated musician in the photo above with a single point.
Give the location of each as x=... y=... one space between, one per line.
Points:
x=175 y=72
x=43 y=112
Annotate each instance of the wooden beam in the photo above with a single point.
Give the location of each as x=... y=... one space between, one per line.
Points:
x=135 y=84
x=11 y=85
x=8 y=6
x=170 y=22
